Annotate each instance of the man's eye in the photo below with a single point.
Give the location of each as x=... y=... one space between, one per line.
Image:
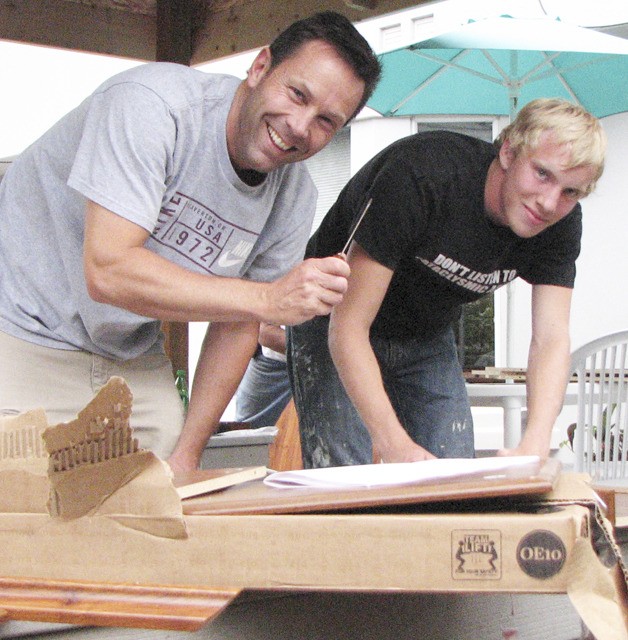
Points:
x=541 y=173
x=297 y=93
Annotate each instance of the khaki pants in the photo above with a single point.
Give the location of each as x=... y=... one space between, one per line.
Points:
x=62 y=382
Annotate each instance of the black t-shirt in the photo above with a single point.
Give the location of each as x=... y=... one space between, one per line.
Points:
x=428 y=224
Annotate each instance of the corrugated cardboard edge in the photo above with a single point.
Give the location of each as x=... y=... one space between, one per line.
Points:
x=597 y=573
x=23 y=462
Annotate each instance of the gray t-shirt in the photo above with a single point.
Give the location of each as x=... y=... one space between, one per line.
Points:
x=149 y=145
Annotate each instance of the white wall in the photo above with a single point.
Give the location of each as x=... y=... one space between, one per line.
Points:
x=371 y=133
x=600 y=298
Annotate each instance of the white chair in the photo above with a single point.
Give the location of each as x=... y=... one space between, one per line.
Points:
x=599 y=441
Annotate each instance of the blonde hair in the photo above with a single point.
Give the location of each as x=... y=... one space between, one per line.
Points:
x=569 y=123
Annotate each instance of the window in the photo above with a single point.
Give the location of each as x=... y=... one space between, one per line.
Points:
x=391 y=37
x=419 y=24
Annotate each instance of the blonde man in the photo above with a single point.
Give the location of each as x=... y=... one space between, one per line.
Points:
x=452 y=219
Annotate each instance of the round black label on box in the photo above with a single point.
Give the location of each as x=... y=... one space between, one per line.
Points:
x=541 y=554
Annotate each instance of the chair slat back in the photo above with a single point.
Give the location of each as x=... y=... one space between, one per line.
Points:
x=600 y=444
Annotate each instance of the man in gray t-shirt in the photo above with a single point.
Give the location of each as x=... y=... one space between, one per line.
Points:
x=172 y=194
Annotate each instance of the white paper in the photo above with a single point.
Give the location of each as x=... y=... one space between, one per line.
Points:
x=397 y=473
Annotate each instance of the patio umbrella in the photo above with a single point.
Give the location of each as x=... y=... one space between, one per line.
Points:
x=496 y=65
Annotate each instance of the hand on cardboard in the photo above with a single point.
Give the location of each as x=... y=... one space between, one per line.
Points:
x=311 y=289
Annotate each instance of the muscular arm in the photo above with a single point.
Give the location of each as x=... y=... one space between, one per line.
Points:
x=356 y=362
x=225 y=354
x=119 y=270
x=548 y=367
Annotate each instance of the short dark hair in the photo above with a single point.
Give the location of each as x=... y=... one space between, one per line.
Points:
x=337 y=30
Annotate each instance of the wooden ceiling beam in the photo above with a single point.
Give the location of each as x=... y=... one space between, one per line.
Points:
x=186 y=31
x=82 y=27
x=174 y=31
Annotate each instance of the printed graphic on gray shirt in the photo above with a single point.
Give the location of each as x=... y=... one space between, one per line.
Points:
x=201 y=236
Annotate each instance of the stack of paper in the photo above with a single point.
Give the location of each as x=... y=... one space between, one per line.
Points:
x=400 y=473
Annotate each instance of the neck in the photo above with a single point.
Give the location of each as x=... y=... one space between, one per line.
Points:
x=248 y=176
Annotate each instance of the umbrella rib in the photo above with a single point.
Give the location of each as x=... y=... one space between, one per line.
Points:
x=546 y=62
x=425 y=83
x=453 y=65
x=561 y=79
x=445 y=65
x=573 y=67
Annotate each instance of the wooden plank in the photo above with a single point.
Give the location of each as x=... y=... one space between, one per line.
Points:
x=80 y=26
x=257 y=498
x=116 y=605
x=226 y=28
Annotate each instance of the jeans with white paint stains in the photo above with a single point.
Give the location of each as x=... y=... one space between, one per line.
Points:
x=423 y=380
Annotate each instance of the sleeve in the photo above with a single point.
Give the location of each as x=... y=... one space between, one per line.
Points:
x=402 y=200
x=124 y=157
x=552 y=259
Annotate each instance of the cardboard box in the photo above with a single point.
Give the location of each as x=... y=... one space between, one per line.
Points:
x=138 y=534
x=513 y=552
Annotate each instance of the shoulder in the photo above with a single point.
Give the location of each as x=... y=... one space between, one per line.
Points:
x=175 y=84
x=430 y=152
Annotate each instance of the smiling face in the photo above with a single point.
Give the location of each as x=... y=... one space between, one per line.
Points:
x=535 y=188
x=290 y=112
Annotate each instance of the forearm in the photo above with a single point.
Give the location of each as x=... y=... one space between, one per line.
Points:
x=225 y=354
x=546 y=380
x=360 y=374
x=119 y=270
x=149 y=285
x=548 y=368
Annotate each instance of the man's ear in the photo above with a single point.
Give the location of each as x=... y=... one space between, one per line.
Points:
x=506 y=154
x=259 y=67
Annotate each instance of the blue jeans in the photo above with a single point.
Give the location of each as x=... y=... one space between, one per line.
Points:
x=263 y=393
x=424 y=383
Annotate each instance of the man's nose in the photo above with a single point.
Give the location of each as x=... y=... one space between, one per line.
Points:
x=300 y=122
x=550 y=198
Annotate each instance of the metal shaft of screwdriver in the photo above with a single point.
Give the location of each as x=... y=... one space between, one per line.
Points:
x=355 y=228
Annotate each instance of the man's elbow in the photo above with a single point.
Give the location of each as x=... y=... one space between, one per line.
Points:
x=98 y=284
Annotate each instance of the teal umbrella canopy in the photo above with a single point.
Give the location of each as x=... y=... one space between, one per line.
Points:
x=495 y=66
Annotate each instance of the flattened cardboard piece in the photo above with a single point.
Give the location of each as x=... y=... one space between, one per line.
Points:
x=93 y=456
x=97 y=468
x=598 y=601
x=23 y=463
x=148 y=503
x=597 y=574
